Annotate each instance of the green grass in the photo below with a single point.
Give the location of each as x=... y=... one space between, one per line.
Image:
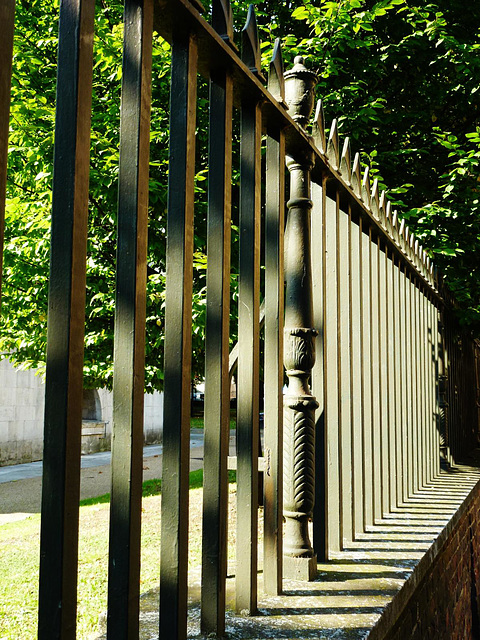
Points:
x=154 y=487
x=19 y=558
x=196 y=422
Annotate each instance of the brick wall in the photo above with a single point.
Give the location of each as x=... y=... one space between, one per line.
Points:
x=441 y=599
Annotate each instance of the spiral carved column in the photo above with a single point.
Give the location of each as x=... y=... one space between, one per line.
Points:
x=299 y=347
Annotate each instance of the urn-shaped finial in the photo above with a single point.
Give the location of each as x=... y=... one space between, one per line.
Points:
x=299 y=85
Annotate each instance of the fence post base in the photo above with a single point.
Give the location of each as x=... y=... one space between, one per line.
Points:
x=304 y=569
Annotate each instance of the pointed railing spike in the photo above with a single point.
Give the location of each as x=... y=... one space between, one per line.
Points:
x=222 y=20
x=388 y=218
x=276 y=81
x=407 y=242
x=417 y=255
x=356 y=178
x=395 y=233
x=374 y=200
x=411 y=247
x=382 y=203
x=401 y=235
x=366 y=187
x=318 y=129
x=423 y=260
x=346 y=162
x=251 y=44
x=395 y=218
x=332 y=146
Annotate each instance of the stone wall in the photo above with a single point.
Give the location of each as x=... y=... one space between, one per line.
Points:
x=441 y=600
x=21 y=417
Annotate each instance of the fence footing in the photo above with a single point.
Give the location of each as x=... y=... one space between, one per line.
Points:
x=304 y=569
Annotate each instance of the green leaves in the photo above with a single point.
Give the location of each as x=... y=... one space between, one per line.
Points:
x=401 y=78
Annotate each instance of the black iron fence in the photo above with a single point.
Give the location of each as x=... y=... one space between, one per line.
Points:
x=356 y=308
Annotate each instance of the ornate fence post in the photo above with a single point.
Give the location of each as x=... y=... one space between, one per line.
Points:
x=299 y=351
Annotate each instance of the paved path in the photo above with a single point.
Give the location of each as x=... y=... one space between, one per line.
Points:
x=21 y=485
x=34 y=469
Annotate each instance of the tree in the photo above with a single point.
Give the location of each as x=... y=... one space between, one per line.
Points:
x=401 y=77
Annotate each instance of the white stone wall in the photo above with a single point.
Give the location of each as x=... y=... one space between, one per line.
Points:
x=21 y=415
x=152 y=417
x=22 y=401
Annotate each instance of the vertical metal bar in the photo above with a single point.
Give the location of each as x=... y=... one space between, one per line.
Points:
x=178 y=335
x=451 y=393
x=432 y=336
x=129 y=340
x=217 y=381
x=7 y=15
x=429 y=389
x=273 y=375
x=413 y=401
x=426 y=392
x=404 y=380
x=432 y=385
x=423 y=394
x=66 y=317
x=434 y=374
x=391 y=387
x=432 y=388
x=399 y=370
x=408 y=372
x=367 y=379
x=397 y=378
x=318 y=378
x=383 y=323
x=436 y=435
x=331 y=364
x=375 y=378
x=417 y=390
x=248 y=359
x=356 y=375
x=344 y=350
x=415 y=413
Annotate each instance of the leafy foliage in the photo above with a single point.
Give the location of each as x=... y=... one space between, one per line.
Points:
x=401 y=76
x=403 y=79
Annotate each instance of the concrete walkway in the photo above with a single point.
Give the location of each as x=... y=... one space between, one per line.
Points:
x=21 y=485
x=34 y=469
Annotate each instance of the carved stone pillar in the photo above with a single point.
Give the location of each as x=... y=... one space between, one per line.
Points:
x=299 y=351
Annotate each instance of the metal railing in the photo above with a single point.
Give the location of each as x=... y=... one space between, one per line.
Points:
x=363 y=315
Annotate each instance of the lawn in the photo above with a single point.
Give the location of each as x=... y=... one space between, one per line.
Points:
x=19 y=554
x=196 y=421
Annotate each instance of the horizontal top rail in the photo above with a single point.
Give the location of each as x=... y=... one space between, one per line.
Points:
x=217 y=53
